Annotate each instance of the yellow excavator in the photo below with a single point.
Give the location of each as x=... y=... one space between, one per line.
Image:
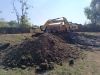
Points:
x=67 y=26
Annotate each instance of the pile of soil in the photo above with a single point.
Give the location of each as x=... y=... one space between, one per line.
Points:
x=86 y=39
x=47 y=48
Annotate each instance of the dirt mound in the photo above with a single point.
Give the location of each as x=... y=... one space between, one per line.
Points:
x=86 y=39
x=45 y=49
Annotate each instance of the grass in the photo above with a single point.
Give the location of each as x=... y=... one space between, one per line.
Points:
x=18 y=71
x=88 y=66
x=13 y=38
x=87 y=34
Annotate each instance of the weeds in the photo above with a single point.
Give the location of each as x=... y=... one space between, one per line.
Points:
x=21 y=71
x=93 y=66
x=69 y=72
x=19 y=37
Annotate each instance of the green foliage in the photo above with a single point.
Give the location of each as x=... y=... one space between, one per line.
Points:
x=4 y=24
x=24 y=22
x=93 y=12
x=70 y=72
x=12 y=23
x=35 y=26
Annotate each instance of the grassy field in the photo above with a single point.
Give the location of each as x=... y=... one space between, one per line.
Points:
x=90 y=65
x=13 y=38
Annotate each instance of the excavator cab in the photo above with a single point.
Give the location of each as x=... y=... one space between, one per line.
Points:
x=70 y=23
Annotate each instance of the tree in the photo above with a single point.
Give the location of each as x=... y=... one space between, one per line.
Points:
x=93 y=12
x=12 y=23
x=35 y=26
x=17 y=14
x=24 y=22
x=23 y=18
x=2 y=21
x=4 y=24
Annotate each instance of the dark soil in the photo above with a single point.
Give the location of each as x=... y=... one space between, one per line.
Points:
x=4 y=46
x=87 y=40
x=47 y=48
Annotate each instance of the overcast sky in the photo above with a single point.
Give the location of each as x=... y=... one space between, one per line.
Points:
x=43 y=10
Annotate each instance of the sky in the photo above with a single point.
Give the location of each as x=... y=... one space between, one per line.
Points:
x=72 y=10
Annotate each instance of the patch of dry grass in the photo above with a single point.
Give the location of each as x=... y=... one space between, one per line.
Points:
x=13 y=38
x=88 y=66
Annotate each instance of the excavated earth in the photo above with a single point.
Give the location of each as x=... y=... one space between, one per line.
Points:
x=88 y=40
x=45 y=50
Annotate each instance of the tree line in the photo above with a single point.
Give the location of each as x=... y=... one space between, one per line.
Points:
x=14 y=23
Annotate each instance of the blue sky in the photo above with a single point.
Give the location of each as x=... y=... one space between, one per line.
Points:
x=43 y=10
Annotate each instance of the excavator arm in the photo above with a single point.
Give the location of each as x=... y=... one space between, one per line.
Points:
x=66 y=24
x=56 y=21
x=50 y=22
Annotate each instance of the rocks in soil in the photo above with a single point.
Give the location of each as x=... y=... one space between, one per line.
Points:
x=23 y=67
x=42 y=51
x=44 y=66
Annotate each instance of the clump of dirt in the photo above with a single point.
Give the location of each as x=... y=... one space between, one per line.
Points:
x=4 y=46
x=66 y=37
x=47 y=48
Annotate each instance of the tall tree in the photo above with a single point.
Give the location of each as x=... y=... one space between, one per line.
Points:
x=24 y=7
x=15 y=11
x=93 y=12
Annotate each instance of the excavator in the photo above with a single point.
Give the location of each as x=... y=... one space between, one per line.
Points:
x=64 y=26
